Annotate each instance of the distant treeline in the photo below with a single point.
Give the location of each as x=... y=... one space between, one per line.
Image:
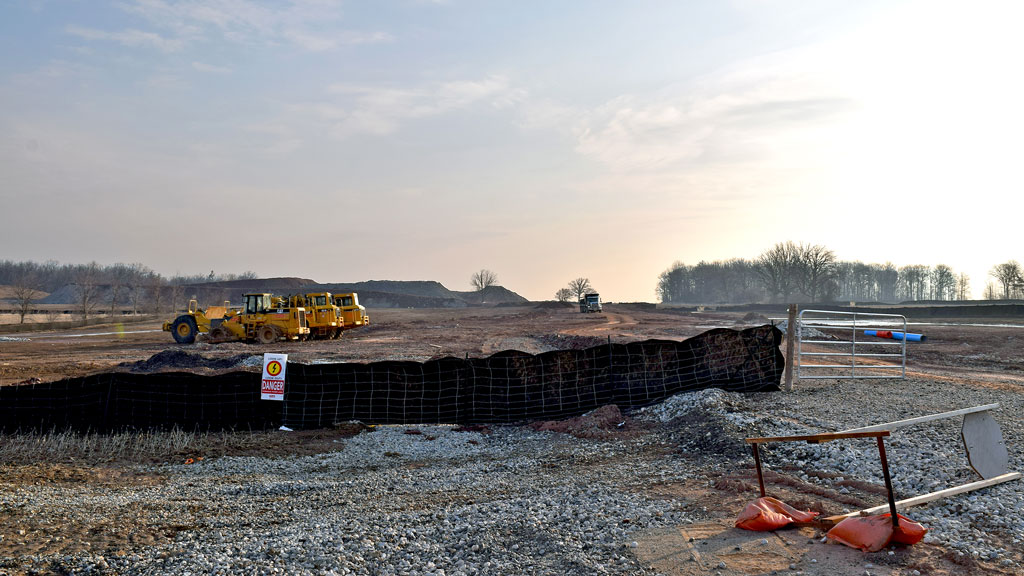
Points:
x=96 y=286
x=791 y=272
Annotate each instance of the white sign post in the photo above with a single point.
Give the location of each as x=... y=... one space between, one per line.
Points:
x=272 y=385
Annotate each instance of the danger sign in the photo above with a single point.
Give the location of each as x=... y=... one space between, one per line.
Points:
x=272 y=384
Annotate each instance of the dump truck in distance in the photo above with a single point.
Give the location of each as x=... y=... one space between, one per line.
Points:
x=590 y=303
x=352 y=313
x=322 y=315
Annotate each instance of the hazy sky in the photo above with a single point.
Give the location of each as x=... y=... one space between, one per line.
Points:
x=415 y=140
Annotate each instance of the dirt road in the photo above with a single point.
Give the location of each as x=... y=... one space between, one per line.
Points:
x=395 y=334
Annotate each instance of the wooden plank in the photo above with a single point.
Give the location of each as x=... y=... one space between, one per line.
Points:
x=931 y=497
x=911 y=421
x=790 y=345
x=814 y=438
x=983 y=440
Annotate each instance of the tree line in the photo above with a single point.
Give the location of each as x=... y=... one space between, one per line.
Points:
x=97 y=286
x=789 y=272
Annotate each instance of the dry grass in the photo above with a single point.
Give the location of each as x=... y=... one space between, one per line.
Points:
x=154 y=447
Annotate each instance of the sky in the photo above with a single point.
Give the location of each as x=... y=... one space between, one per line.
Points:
x=425 y=140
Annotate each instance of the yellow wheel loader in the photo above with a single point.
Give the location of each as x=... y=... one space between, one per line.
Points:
x=261 y=319
x=187 y=326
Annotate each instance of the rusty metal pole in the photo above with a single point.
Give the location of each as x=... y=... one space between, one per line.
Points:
x=888 y=484
x=757 y=464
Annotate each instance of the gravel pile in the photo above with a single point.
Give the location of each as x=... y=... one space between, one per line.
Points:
x=439 y=501
x=436 y=500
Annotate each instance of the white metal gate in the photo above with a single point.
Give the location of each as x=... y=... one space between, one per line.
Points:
x=833 y=344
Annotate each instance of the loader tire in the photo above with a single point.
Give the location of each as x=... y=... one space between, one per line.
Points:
x=184 y=329
x=266 y=335
x=219 y=334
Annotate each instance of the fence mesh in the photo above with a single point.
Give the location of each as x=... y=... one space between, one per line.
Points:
x=507 y=387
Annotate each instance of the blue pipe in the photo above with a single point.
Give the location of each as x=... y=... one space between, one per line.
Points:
x=896 y=335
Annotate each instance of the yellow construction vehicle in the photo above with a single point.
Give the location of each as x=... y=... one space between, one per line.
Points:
x=264 y=319
x=352 y=313
x=187 y=326
x=324 y=318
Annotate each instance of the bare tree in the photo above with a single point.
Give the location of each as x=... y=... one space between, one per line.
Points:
x=816 y=266
x=963 y=287
x=563 y=295
x=887 y=277
x=778 y=268
x=483 y=279
x=120 y=281
x=579 y=287
x=913 y=281
x=177 y=294
x=674 y=284
x=26 y=291
x=87 y=288
x=139 y=275
x=1008 y=274
x=155 y=285
x=943 y=282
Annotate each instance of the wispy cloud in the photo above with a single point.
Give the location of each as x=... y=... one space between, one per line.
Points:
x=54 y=69
x=130 y=37
x=313 y=25
x=741 y=114
x=210 y=68
x=382 y=110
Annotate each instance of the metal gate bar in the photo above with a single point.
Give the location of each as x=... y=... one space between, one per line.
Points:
x=833 y=337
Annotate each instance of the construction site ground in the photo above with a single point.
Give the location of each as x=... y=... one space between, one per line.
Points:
x=985 y=357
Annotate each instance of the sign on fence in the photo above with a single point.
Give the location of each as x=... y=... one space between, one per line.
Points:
x=272 y=384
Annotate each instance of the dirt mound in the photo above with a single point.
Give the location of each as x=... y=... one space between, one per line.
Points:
x=491 y=295
x=756 y=318
x=372 y=300
x=418 y=294
x=637 y=305
x=570 y=341
x=180 y=359
x=554 y=305
x=10 y=293
x=605 y=423
x=423 y=288
x=64 y=295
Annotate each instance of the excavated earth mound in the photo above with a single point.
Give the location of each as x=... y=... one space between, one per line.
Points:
x=180 y=359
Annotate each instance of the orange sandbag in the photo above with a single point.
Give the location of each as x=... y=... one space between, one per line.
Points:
x=872 y=533
x=767 y=513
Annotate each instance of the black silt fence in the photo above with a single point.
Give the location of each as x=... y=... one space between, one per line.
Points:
x=510 y=386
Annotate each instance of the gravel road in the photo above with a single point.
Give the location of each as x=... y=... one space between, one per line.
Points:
x=515 y=501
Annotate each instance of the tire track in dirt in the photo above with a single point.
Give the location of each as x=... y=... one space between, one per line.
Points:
x=614 y=326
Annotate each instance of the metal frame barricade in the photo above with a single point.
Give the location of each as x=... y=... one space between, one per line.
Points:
x=839 y=348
